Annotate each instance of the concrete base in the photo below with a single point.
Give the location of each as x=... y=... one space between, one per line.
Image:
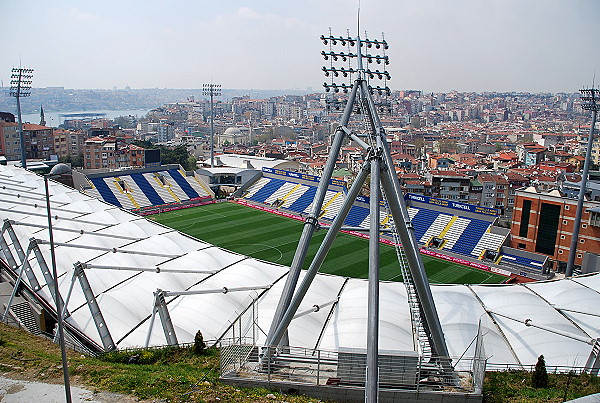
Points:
x=354 y=394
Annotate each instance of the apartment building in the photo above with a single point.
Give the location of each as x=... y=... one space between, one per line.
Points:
x=450 y=185
x=110 y=153
x=10 y=143
x=68 y=142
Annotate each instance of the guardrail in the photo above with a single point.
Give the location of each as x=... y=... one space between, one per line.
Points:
x=347 y=367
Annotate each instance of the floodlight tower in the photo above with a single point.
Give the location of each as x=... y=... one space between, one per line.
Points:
x=590 y=98
x=383 y=181
x=20 y=86
x=212 y=90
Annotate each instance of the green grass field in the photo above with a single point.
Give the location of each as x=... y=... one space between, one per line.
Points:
x=274 y=238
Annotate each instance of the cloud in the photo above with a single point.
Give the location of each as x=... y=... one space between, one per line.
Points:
x=82 y=15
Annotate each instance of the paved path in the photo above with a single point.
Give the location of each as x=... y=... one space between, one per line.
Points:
x=15 y=391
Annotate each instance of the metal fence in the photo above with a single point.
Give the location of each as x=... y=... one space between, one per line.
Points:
x=243 y=357
x=314 y=367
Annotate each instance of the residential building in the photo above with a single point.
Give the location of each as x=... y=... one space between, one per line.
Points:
x=10 y=143
x=68 y=142
x=450 y=185
x=494 y=191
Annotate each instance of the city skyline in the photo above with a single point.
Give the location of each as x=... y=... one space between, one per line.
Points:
x=503 y=45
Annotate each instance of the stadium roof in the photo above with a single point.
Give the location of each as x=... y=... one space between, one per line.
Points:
x=131 y=257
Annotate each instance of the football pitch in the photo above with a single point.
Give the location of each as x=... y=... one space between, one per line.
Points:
x=273 y=238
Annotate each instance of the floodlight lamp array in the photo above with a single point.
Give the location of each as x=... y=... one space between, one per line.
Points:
x=345 y=88
x=350 y=41
x=20 y=82
x=345 y=72
x=211 y=89
x=337 y=87
x=335 y=56
x=590 y=98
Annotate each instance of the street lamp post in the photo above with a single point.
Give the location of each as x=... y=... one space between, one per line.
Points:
x=57 y=170
x=212 y=90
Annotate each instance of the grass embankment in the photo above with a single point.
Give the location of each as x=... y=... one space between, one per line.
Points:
x=172 y=374
x=178 y=375
x=516 y=386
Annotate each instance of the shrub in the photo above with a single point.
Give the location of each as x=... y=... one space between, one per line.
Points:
x=199 y=345
x=539 y=378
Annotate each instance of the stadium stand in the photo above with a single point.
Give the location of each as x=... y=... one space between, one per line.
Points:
x=470 y=237
x=296 y=194
x=515 y=260
x=183 y=184
x=304 y=201
x=458 y=228
x=270 y=187
x=147 y=187
x=104 y=191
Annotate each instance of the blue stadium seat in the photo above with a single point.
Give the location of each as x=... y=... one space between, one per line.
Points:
x=423 y=220
x=105 y=191
x=470 y=237
x=267 y=190
x=147 y=188
x=183 y=183
x=522 y=261
x=304 y=201
x=356 y=215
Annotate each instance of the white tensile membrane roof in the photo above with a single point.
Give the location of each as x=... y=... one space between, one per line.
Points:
x=99 y=234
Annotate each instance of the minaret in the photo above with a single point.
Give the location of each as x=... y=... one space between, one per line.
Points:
x=42 y=118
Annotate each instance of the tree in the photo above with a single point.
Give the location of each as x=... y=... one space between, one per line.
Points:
x=539 y=378
x=191 y=163
x=74 y=160
x=125 y=122
x=447 y=146
x=143 y=143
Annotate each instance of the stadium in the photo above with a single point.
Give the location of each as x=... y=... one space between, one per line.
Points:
x=118 y=269
x=305 y=285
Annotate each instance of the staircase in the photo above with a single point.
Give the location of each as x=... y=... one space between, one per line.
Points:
x=23 y=313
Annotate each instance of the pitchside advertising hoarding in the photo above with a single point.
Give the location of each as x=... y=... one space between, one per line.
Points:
x=452 y=204
x=306 y=177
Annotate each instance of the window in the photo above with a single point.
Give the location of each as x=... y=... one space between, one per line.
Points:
x=582 y=241
x=567 y=206
x=521 y=246
x=579 y=256
x=560 y=251
x=501 y=187
x=526 y=210
x=511 y=201
x=583 y=225
x=489 y=195
x=562 y=237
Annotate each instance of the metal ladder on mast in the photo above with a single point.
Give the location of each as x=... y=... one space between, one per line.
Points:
x=421 y=339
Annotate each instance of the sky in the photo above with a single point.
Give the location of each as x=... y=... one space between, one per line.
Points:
x=435 y=45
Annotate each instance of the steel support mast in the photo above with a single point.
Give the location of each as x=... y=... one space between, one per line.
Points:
x=590 y=99
x=379 y=164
